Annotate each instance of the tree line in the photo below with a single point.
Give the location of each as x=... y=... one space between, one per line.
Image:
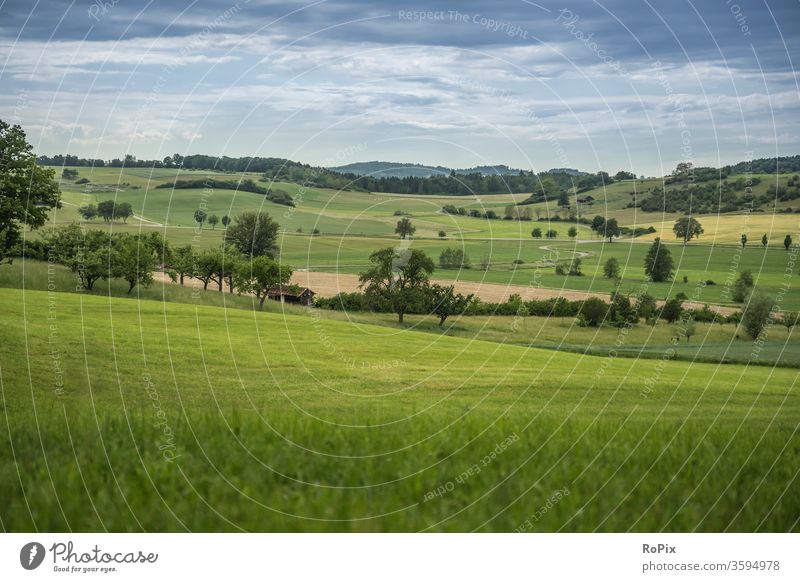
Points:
x=246 y=261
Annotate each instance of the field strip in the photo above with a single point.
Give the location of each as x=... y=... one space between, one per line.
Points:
x=329 y=284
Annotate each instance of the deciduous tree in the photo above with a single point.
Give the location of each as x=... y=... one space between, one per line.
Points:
x=27 y=190
x=397 y=279
x=658 y=264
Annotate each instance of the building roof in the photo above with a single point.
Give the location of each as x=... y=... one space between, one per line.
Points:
x=290 y=291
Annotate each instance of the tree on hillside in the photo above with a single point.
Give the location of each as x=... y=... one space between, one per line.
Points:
x=226 y=220
x=106 y=209
x=563 y=199
x=741 y=288
x=85 y=253
x=743 y=239
x=572 y=232
x=686 y=228
x=536 y=232
x=210 y=267
x=672 y=309
x=404 y=228
x=133 y=260
x=27 y=191
x=213 y=220
x=611 y=269
x=787 y=242
x=254 y=234
x=200 y=217
x=88 y=211
x=551 y=233
x=232 y=260
x=789 y=319
x=764 y=241
x=184 y=261
x=123 y=210
x=442 y=234
x=611 y=229
x=397 y=279
x=746 y=277
x=757 y=314
x=593 y=312
x=444 y=302
x=259 y=275
x=658 y=262
x=599 y=225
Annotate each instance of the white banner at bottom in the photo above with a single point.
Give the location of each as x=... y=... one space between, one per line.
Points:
x=401 y=557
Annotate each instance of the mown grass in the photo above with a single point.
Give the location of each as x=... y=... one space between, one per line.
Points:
x=281 y=422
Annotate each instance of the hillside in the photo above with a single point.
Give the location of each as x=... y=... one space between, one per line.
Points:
x=403 y=170
x=179 y=417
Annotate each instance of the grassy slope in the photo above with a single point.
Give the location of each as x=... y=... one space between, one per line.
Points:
x=289 y=423
x=711 y=343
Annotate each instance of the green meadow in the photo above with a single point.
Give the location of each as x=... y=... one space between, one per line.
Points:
x=140 y=415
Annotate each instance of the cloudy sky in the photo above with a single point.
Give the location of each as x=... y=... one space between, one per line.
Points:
x=637 y=85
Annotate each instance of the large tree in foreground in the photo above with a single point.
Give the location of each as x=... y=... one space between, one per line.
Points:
x=397 y=279
x=255 y=234
x=658 y=262
x=27 y=191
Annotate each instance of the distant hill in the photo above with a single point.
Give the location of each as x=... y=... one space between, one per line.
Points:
x=391 y=170
x=401 y=170
x=570 y=171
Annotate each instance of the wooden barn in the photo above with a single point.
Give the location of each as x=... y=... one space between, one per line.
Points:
x=292 y=294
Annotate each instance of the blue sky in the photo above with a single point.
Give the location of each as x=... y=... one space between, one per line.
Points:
x=612 y=85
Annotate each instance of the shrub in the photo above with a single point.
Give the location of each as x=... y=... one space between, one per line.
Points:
x=594 y=311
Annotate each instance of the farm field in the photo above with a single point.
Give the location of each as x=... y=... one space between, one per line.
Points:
x=370 y=214
x=699 y=263
x=192 y=417
x=354 y=224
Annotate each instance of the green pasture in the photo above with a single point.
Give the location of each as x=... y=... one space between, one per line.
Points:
x=137 y=415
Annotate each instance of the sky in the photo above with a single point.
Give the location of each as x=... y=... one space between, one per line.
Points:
x=614 y=85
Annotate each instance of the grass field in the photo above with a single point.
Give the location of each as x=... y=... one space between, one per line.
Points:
x=367 y=214
x=142 y=415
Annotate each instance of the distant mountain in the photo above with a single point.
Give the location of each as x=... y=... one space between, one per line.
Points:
x=400 y=170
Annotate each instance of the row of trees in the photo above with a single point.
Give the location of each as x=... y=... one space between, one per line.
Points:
x=108 y=210
x=245 y=260
x=787 y=241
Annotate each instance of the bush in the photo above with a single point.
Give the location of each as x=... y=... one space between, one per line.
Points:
x=594 y=311
x=757 y=314
x=672 y=309
x=453 y=259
